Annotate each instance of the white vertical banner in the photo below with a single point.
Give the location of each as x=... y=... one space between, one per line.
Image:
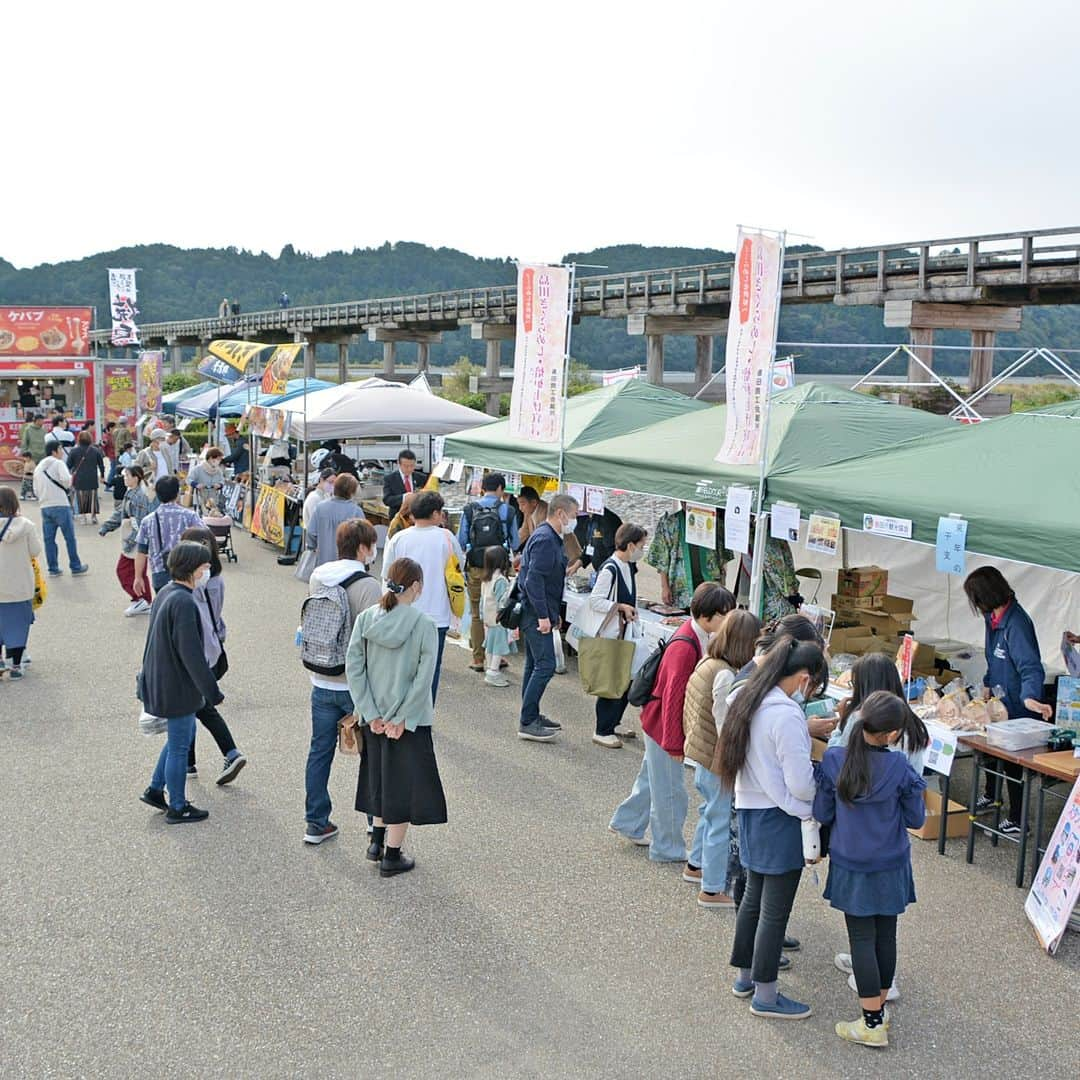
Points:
x=751 y=343
x=122 y=298
x=536 y=402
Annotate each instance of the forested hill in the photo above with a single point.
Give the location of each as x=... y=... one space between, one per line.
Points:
x=176 y=283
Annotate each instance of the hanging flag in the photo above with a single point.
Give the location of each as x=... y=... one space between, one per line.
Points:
x=122 y=303
x=536 y=401
x=751 y=344
x=148 y=381
x=275 y=378
x=228 y=360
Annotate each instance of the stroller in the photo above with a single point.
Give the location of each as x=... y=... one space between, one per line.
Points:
x=220 y=524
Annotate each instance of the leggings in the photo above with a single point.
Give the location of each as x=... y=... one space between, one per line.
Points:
x=762 y=922
x=873 y=952
x=214 y=722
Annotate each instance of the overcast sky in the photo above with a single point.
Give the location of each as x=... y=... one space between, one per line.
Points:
x=533 y=129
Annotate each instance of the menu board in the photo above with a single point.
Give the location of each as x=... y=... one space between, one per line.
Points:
x=45 y=331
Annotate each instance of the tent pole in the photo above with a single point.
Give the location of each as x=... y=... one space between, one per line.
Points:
x=566 y=372
x=758 y=563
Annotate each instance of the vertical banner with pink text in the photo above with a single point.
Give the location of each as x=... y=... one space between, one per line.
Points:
x=751 y=344
x=536 y=402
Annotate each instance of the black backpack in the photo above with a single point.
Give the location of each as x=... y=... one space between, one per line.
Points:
x=486 y=529
x=641 y=686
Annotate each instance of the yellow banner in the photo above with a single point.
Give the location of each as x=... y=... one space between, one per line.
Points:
x=237 y=354
x=268 y=517
x=276 y=376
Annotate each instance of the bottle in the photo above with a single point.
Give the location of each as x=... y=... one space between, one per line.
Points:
x=811 y=841
x=299 y=636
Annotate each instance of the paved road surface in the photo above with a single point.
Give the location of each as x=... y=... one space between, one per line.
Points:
x=528 y=942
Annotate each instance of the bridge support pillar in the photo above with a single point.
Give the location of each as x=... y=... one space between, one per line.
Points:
x=176 y=358
x=982 y=358
x=343 y=362
x=493 y=360
x=423 y=356
x=703 y=359
x=654 y=358
x=200 y=352
x=922 y=345
x=389 y=354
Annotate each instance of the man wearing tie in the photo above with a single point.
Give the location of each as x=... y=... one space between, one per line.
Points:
x=401 y=481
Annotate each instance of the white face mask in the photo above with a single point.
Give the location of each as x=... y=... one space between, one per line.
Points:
x=636 y=554
x=203 y=577
x=568 y=527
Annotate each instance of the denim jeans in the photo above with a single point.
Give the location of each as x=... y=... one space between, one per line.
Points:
x=60 y=518
x=438 y=664
x=327 y=708
x=171 y=770
x=712 y=837
x=762 y=922
x=539 y=666
x=658 y=800
x=158 y=580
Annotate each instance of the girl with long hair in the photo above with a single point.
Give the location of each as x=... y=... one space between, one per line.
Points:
x=765 y=755
x=871 y=798
x=494 y=589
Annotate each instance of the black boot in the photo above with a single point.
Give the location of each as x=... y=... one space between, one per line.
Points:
x=393 y=862
x=378 y=839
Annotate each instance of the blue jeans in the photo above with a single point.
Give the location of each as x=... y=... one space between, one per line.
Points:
x=712 y=837
x=438 y=664
x=539 y=666
x=658 y=800
x=327 y=708
x=60 y=518
x=158 y=580
x=171 y=770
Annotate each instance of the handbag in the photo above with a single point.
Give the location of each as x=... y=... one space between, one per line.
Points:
x=305 y=565
x=509 y=615
x=347 y=742
x=41 y=590
x=587 y=622
x=604 y=663
x=455 y=582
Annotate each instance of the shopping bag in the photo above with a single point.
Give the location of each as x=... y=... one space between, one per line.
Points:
x=455 y=584
x=305 y=565
x=41 y=590
x=604 y=665
x=347 y=742
x=152 y=725
x=643 y=647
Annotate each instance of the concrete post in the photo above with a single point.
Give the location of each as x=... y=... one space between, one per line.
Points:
x=200 y=352
x=703 y=359
x=343 y=362
x=491 y=369
x=981 y=370
x=423 y=356
x=922 y=344
x=389 y=350
x=176 y=358
x=654 y=358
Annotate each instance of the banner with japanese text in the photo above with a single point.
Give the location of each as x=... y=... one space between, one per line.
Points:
x=45 y=331
x=279 y=363
x=122 y=297
x=148 y=381
x=228 y=360
x=536 y=401
x=751 y=344
x=268 y=517
x=118 y=394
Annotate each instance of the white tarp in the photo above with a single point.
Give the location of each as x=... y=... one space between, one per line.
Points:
x=375 y=408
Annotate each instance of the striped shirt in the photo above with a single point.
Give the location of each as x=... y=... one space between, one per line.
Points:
x=160 y=532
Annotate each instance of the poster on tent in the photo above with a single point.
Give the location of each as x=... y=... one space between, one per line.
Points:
x=751 y=343
x=148 y=380
x=268 y=517
x=740 y=499
x=1056 y=887
x=118 y=395
x=536 y=400
x=122 y=297
x=701 y=526
x=279 y=363
x=823 y=534
x=226 y=361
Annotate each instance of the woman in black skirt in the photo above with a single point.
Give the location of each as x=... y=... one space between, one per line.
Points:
x=390 y=666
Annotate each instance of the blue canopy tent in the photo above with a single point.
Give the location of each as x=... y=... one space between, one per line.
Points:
x=170 y=401
x=236 y=398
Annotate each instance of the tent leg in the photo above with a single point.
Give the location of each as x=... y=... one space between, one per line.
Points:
x=758 y=563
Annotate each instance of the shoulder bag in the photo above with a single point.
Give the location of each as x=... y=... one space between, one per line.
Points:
x=587 y=622
x=604 y=663
x=455 y=582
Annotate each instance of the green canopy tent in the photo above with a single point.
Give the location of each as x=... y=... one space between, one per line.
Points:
x=1013 y=479
x=810 y=426
x=622 y=408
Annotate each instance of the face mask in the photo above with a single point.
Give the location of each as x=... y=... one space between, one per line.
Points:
x=637 y=555
x=568 y=528
x=204 y=577
x=799 y=698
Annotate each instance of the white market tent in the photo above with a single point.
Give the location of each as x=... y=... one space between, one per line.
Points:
x=375 y=408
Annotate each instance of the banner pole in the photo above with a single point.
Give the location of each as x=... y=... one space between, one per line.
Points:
x=760 y=540
x=566 y=372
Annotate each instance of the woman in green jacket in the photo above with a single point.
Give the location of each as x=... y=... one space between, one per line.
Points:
x=390 y=665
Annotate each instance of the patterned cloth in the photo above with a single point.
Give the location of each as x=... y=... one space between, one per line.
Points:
x=778 y=580
x=667 y=554
x=136 y=505
x=160 y=532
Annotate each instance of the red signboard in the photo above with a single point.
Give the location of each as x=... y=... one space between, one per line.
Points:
x=118 y=393
x=45 y=331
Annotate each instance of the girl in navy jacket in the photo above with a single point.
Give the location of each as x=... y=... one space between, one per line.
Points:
x=871 y=798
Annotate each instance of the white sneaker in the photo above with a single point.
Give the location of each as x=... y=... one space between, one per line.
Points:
x=637 y=841
x=612 y=742
x=132 y=609
x=892 y=995
x=142 y=607
x=625 y=732
x=842 y=960
x=494 y=679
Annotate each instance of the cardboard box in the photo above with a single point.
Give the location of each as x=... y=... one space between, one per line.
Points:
x=884 y=624
x=854 y=640
x=862 y=581
x=817 y=748
x=853 y=605
x=955 y=826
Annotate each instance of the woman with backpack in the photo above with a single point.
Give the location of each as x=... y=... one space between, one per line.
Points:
x=658 y=799
x=137 y=503
x=765 y=755
x=390 y=665
x=338 y=592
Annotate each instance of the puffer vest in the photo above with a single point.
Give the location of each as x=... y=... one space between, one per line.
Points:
x=698 y=724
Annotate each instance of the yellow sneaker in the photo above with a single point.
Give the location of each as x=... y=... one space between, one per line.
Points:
x=857 y=1032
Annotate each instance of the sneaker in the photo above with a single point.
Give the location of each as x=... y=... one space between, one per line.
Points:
x=392 y=865
x=1010 y=828
x=477 y=667
x=842 y=961
x=638 y=841
x=691 y=874
x=612 y=742
x=82 y=570
x=15 y=672
x=715 y=900
x=155 y=798
x=783 y=963
x=316 y=834
x=892 y=995
x=856 y=1031
x=56 y=573
x=492 y=679
x=782 y=1009
x=791 y=944
x=625 y=732
x=561 y=670
x=140 y=607
x=231 y=768
x=742 y=989
x=983 y=804
x=192 y=772
x=189 y=813
x=549 y=723
x=536 y=732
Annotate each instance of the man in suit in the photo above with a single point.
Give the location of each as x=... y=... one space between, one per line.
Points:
x=401 y=481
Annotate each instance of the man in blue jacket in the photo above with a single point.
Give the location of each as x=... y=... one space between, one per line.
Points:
x=540 y=582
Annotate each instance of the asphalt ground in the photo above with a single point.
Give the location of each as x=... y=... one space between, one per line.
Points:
x=528 y=942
